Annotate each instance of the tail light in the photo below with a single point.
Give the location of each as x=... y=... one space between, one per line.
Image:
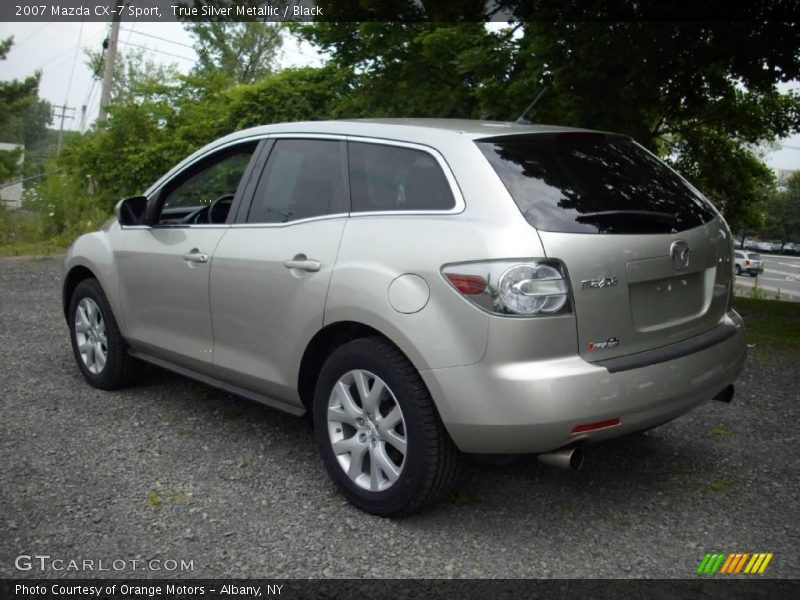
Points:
x=746 y=262
x=535 y=287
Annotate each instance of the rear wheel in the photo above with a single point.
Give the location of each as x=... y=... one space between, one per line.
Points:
x=96 y=341
x=378 y=432
x=738 y=270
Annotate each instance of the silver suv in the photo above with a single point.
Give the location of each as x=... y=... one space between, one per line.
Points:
x=424 y=288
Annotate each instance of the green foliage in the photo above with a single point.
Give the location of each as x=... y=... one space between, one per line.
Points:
x=783 y=213
x=416 y=69
x=136 y=76
x=771 y=325
x=241 y=52
x=23 y=116
x=9 y=165
x=686 y=91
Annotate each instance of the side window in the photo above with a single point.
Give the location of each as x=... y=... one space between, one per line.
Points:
x=302 y=179
x=389 y=178
x=739 y=255
x=215 y=178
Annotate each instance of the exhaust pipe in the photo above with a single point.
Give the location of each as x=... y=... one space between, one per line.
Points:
x=566 y=458
x=725 y=395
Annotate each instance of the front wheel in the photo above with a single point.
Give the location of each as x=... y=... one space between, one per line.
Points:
x=96 y=340
x=378 y=432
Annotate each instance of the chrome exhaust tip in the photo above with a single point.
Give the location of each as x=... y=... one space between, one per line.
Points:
x=725 y=395
x=566 y=458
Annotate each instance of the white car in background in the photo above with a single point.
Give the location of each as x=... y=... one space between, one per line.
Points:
x=747 y=262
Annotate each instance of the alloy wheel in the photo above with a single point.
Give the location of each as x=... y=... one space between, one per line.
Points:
x=367 y=430
x=90 y=335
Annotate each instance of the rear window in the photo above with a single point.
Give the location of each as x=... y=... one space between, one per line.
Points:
x=593 y=183
x=752 y=256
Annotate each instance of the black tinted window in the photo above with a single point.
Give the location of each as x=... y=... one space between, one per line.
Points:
x=302 y=179
x=592 y=183
x=394 y=178
x=214 y=178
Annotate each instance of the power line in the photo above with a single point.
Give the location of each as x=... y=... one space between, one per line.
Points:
x=156 y=37
x=34 y=34
x=159 y=51
x=61 y=54
x=74 y=61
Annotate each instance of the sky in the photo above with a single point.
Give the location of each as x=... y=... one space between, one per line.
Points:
x=57 y=50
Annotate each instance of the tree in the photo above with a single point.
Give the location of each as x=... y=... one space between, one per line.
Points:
x=416 y=69
x=242 y=52
x=137 y=77
x=23 y=116
x=701 y=95
x=783 y=213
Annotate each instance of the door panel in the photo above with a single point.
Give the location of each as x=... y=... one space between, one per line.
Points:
x=266 y=311
x=165 y=295
x=164 y=269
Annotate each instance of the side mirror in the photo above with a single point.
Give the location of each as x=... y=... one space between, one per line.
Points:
x=131 y=211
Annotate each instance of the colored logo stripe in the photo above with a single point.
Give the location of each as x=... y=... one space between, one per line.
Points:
x=734 y=562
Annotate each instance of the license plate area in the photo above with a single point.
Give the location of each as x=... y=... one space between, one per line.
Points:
x=670 y=301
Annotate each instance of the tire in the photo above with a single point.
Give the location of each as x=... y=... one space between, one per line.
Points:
x=431 y=462
x=738 y=270
x=119 y=369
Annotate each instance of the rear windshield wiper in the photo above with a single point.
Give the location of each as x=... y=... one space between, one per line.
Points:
x=630 y=221
x=638 y=213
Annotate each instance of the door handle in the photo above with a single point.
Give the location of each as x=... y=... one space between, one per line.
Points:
x=195 y=256
x=304 y=264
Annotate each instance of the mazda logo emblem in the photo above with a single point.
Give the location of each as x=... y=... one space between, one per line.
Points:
x=679 y=251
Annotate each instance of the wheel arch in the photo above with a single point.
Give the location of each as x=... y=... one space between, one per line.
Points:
x=73 y=277
x=323 y=344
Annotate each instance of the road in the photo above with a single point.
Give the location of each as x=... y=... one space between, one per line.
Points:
x=175 y=470
x=781 y=274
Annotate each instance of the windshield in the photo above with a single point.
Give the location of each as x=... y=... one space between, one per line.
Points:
x=593 y=183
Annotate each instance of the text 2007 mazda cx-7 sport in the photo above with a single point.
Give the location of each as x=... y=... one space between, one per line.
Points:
x=424 y=288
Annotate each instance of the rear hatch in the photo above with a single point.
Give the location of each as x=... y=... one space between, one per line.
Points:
x=649 y=259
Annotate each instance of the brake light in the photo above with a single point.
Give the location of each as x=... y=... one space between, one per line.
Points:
x=467 y=284
x=512 y=287
x=746 y=261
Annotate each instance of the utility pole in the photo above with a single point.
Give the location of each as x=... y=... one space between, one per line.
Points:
x=110 y=45
x=64 y=115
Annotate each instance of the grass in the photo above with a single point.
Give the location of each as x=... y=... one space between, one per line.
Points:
x=718 y=486
x=154 y=499
x=721 y=432
x=33 y=248
x=770 y=325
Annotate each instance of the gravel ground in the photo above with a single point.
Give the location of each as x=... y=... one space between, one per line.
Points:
x=172 y=469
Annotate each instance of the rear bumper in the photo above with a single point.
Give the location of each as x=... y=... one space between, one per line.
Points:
x=532 y=406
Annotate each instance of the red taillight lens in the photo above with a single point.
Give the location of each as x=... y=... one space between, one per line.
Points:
x=593 y=426
x=467 y=284
x=747 y=262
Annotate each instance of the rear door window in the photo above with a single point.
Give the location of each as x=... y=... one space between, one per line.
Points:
x=394 y=178
x=593 y=183
x=302 y=179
